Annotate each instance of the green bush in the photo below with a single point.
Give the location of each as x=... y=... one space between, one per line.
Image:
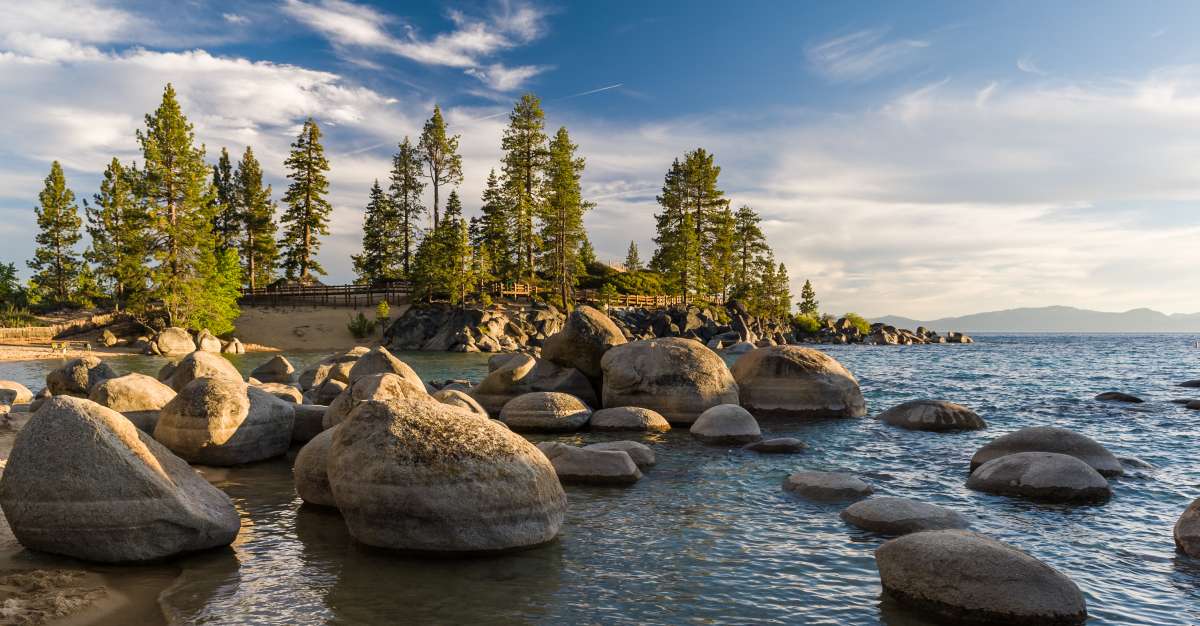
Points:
x=12 y=316
x=639 y=283
x=360 y=326
x=382 y=312
x=859 y=322
x=806 y=324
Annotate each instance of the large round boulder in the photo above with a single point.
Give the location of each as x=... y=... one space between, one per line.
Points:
x=585 y=466
x=1187 y=530
x=310 y=474
x=460 y=399
x=632 y=418
x=308 y=423
x=412 y=474
x=512 y=375
x=380 y=387
x=277 y=369
x=77 y=376
x=827 y=486
x=174 y=341
x=899 y=516
x=21 y=395
x=791 y=381
x=198 y=364
x=287 y=393
x=207 y=342
x=678 y=378
x=583 y=340
x=136 y=396
x=545 y=411
x=1047 y=476
x=726 y=424
x=965 y=577
x=380 y=361
x=336 y=366
x=216 y=421
x=83 y=481
x=1051 y=439
x=932 y=415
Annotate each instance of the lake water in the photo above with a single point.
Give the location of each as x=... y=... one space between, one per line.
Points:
x=709 y=536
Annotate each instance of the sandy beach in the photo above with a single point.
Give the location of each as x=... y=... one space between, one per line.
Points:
x=302 y=328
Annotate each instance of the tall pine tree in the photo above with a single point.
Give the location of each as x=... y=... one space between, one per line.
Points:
x=561 y=217
x=256 y=211
x=439 y=152
x=721 y=256
x=306 y=215
x=808 y=301
x=406 y=188
x=381 y=244
x=493 y=235
x=677 y=252
x=633 y=261
x=117 y=225
x=524 y=162
x=227 y=223
x=750 y=248
x=55 y=262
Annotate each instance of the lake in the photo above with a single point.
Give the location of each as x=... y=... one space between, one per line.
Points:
x=709 y=536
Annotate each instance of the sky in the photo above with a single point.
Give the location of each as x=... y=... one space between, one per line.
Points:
x=919 y=159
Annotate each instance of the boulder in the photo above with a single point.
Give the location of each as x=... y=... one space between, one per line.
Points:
x=327 y=392
x=22 y=393
x=108 y=339
x=1191 y=383
x=1193 y=405
x=309 y=471
x=380 y=361
x=217 y=421
x=1117 y=396
x=545 y=411
x=39 y=398
x=287 y=393
x=174 y=341
x=1047 y=476
x=208 y=342
x=316 y=374
x=276 y=370
x=233 y=346
x=678 y=378
x=412 y=474
x=198 y=364
x=308 y=422
x=136 y=396
x=965 y=577
x=899 y=516
x=642 y=454
x=591 y=467
x=84 y=482
x=726 y=424
x=828 y=486
x=512 y=375
x=779 y=445
x=741 y=347
x=460 y=399
x=583 y=340
x=1051 y=439
x=77 y=376
x=791 y=381
x=374 y=387
x=933 y=416
x=631 y=418
x=1187 y=530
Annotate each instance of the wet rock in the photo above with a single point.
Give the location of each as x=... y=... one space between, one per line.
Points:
x=380 y=361
x=309 y=473
x=726 y=424
x=198 y=364
x=583 y=340
x=136 y=396
x=217 y=421
x=965 y=577
x=308 y=422
x=642 y=454
x=1193 y=405
x=276 y=370
x=208 y=342
x=380 y=387
x=826 y=486
x=590 y=467
x=460 y=399
x=933 y=416
x=21 y=393
x=1117 y=396
x=678 y=378
x=1191 y=383
x=84 y=482
x=778 y=445
x=174 y=341
x=1050 y=439
x=77 y=376
x=791 y=381
x=630 y=418
x=412 y=474
x=287 y=393
x=1046 y=476
x=545 y=411
x=900 y=516
x=512 y=375
x=1187 y=530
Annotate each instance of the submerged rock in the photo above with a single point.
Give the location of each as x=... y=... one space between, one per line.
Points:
x=1187 y=530
x=276 y=370
x=216 y=421
x=726 y=424
x=828 y=486
x=678 y=378
x=374 y=387
x=412 y=474
x=965 y=577
x=778 y=445
x=198 y=365
x=898 y=516
x=791 y=381
x=84 y=482
x=545 y=411
x=1117 y=396
x=932 y=415
x=1051 y=439
x=309 y=472
x=591 y=467
x=77 y=376
x=1047 y=476
x=629 y=418
x=642 y=454
x=136 y=396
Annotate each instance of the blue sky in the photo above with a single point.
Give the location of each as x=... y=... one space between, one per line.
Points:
x=919 y=159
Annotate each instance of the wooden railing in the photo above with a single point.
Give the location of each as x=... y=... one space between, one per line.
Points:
x=638 y=300
x=358 y=296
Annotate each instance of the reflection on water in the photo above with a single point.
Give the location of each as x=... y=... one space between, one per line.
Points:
x=709 y=536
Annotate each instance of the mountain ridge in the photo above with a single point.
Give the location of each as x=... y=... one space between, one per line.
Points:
x=1051 y=319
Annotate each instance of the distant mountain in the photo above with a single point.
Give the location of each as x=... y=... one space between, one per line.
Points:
x=1057 y=319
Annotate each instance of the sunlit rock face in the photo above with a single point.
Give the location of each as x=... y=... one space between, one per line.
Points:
x=790 y=381
x=678 y=378
x=216 y=421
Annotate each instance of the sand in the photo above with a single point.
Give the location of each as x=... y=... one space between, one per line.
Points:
x=302 y=328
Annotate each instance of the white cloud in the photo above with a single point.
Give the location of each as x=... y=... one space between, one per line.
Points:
x=503 y=79
x=1029 y=66
x=862 y=55
x=236 y=19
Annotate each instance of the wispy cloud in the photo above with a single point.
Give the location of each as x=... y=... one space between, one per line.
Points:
x=1029 y=66
x=862 y=55
x=236 y=19
x=502 y=78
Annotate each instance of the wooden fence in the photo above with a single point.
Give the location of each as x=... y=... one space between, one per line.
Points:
x=358 y=296
x=54 y=330
x=638 y=300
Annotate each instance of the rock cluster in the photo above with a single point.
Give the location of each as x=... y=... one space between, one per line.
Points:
x=512 y=375
x=444 y=328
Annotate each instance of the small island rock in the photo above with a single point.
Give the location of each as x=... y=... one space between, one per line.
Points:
x=1051 y=439
x=545 y=411
x=791 y=381
x=827 y=486
x=590 y=467
x=898 y=516
x=678 y=378
x=1047 y=476
x=933 y=416
x=631 y=418
x=726 y=424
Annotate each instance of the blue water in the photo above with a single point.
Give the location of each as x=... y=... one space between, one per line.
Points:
x=708 y=535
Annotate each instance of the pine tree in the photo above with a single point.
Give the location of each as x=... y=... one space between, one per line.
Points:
x=227 y=222
x=524 y=161
x=587 y=254
x=256 y=211
x=117 y=225
x=406 y=188
x=493 y=235
x=439 y=152
x=750 y=246
x=55 y=263
x=462 y=277
x=633 y=262
x=781 y=292
x=380 y=241
x=677 y=251
x=561 y=217
x=808 y=301
x=721 y=256
x=307 y=212
x=215 y=306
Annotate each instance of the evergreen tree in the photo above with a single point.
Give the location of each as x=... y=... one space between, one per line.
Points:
x=781 y=306
x=462 y=276
x=380 y=242
x=406 y=188
x=493 y=236
x=808 y=301
x=439 y=152
x=11 y=292
x=561 y=217
x=633 y=262
x=117 y=225
x=307 y=212
x=524 y=161
x=227 y=222
x=587 y=254
x=257 y=213
x=721 y=256
x=55 y=263
x=218 y=308
x=677 y=252
x=750 y=246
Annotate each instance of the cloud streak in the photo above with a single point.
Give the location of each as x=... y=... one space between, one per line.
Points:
x=862 y=55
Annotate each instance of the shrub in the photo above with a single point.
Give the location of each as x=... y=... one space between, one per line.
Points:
x=806 y=324
x=859 y=322
x=12 y=316
x=382 y=311
x=360 y=326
